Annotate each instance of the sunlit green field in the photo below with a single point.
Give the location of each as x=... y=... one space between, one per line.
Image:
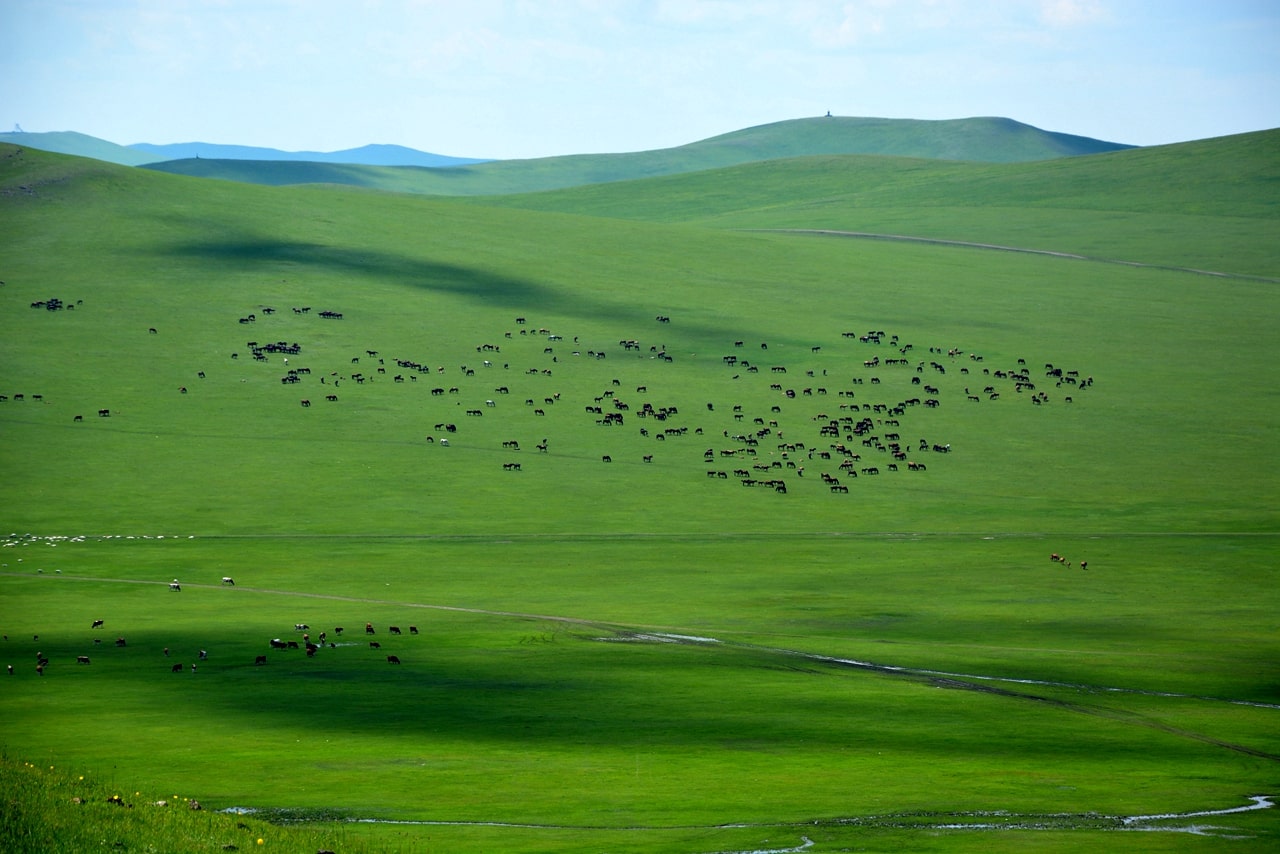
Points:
x=639 y=654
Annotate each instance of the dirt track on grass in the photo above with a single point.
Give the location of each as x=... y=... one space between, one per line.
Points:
x=936 y=241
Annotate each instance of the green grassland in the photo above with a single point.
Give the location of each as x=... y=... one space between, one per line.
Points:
x=643 y=655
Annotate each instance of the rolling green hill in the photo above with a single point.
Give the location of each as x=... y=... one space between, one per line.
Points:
x=980 y=139
x=1211 y=204
x=698 y=535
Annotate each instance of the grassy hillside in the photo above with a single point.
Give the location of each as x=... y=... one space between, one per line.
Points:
x=664 y=651
x=983 y=140
x=1220 y=213
x=986 y=140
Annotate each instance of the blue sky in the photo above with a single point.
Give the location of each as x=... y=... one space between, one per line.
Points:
x=529 y=78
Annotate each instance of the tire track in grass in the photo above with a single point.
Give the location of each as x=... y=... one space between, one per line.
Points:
x=646 y=536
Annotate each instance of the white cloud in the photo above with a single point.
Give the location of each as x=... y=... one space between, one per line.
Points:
x=1072 y=13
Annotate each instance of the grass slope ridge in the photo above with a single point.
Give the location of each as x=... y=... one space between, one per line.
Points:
x=978 y=139
x=79 y=145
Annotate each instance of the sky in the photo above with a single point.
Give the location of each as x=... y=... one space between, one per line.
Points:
x=531 y=78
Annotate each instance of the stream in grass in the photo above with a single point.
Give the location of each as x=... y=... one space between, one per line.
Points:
x=994 y=820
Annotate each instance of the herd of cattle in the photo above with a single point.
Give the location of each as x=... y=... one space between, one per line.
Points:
x=844 y=417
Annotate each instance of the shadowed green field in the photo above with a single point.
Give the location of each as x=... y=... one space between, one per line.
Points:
x=636 y=654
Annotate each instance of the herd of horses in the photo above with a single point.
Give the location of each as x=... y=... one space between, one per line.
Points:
x=842 y=409
x=306 y=645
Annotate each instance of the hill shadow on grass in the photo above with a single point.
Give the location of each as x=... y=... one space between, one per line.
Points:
x=401 y=269
x=567 y=690
x=249 y=251
x=246 y=251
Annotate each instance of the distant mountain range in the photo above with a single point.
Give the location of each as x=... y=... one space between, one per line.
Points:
x=143 y=153
x=367 y=155
x=399 y=169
